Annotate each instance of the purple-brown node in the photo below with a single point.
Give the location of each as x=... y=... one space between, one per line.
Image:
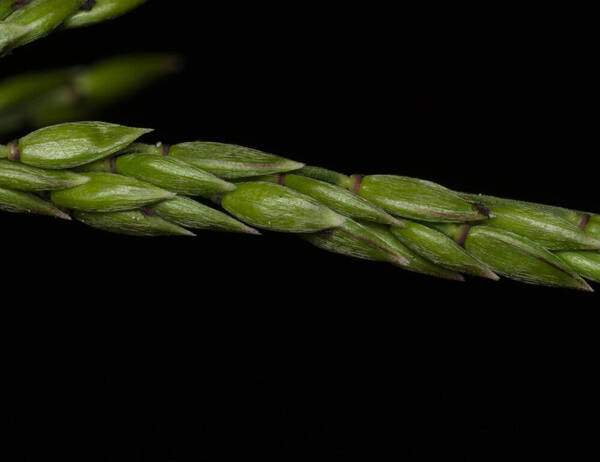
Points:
x=462 y=235
x=88 y=5
x=20 y=4
x=148 y=211
x=583 y=221
x=355 y=181
x=13 y=151
x=485 y=211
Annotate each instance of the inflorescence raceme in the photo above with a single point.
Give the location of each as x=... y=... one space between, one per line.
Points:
x=99 y=174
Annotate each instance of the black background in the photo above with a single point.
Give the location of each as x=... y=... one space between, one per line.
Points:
x=189 y=349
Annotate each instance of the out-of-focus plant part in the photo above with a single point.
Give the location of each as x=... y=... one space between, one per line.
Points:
x=43 y=98
x=102 y=10
x=39 y=18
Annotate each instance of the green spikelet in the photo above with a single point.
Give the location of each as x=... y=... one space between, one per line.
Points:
x=515 y=256
x=165 y=172
x=11 y=34
x=416 y=263
x=552 y=229
x=323 y=174
x=586 y=263
x=22 y=202
x=21 y=177
x=277 y=208
x=356 y=240
x=192 y=214
x=440 y=249
x=131 y=222
x=72 y=144
x=416 y=199
x=230 y=161
x=336 y=198
x=107 y=192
